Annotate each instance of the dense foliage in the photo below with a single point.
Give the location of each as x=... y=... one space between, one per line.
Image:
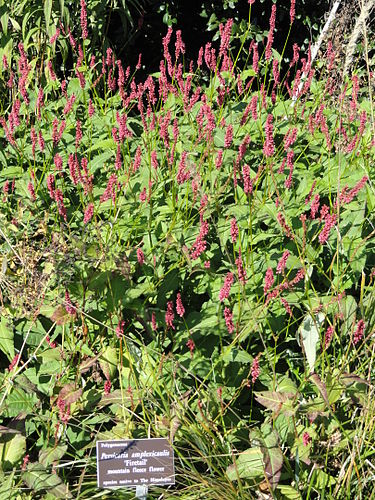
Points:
x=188 y=256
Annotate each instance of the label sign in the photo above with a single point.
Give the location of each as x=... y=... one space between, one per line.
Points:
x=134 y=462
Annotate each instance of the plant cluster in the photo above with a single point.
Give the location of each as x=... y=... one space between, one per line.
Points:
x=190 y=260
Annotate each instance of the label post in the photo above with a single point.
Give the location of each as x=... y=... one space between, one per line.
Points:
x=141 y=492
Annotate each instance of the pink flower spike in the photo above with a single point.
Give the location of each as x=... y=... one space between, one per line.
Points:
x=225 y=32
x=255 y=63
x=359 y=331
x=154 y=325
x=282 y=262
x=13 y=362
x=330 y=221
x=91 y=109
x=51 y=185
x=154 y=160
x=190 y=344
x=54 y=37
x=268 y=51
x=255 y=370
x=89 y=212
x=233 y=230
x=269 y=145
x=70 y=309
x=292 y=12
x=228 y=316
x=287 y=307
x=107 y=387
x=225 y=290
x=269 y=280
x=25 y=461
x=328 y=336
x=169 y=315
x=179 y=306
x=315 y=204
x=228 y=136
x=120 y=328
x=143 y=195
x=85 y=33
x=140 y=256
x=30 y=188
x=219 y=159
x=306 y=439
x=240 y=269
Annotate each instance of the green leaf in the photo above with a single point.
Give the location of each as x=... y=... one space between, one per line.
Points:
x=70 y=394
x=11 y=172
x=349 y=305
x=50 y=455
x=116 y=397
x=106 y=145
x=34 y=330
x=356 y=387
x=247 y=73
x=272 y=454
x=38 y=479
x=285 y=384
x=233 y=354
x=309 y=335
x=47 y=12
x=12 y=449
x=19 y=401
x=108 y=362
x=322 y=480
x=249 y=464
x=6 y=339
x=288 y=492
x=321 y=386
x=285 y=429
x=276 y=401
x=8 y=491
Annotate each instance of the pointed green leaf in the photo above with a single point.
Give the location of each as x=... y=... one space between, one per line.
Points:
x=70 y=394
x=19 y=401
x=272 y=454
x=276 y=401
x=6 y=339
x=11 y=450
x=108 y=362
x=37 y=479
x=47 y=12
x=309 y=334
x=288 y=492
x=249 y=464
x=50 y=455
